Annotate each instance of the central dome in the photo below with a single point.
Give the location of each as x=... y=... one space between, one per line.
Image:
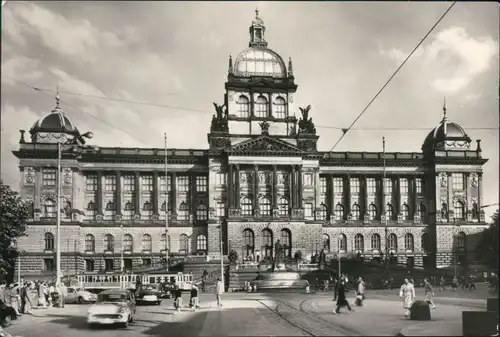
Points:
x=259 y=62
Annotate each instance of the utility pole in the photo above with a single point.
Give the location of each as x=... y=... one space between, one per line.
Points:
x=166 y=205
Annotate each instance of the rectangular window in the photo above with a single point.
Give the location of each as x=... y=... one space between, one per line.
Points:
x=182 y=184
x=220 y=210
x=458 y=181
x=109 y=265
x=220 y=178
x=49 y=264
x=338 y=185
x=308 y=211
x=89 y=265
x=403 y=186
x=201 y=184
x=146 y=262
x=162 y=183
x=147 y=183
x=129 y=183
x=371 y=186
x=49 y=177
x=127 y=264
x=322 y=185
x=418 y=186
x=387 y=186
x=354 y=185
x=91 y=182
x=110 y=183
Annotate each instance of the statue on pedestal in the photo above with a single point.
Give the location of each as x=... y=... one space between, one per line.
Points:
x=278 y=249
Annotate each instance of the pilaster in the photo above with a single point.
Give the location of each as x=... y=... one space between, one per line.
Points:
x=156 y=193
x=230 y=187
x=347 y=193
x=275 y=187
x=449 y=196
x=99 y=194
x=293 y=187
x=237 y=187
x=137 y=194
x=256 y=190
x=173 y=179
x=118 y=197
x=192 y=199
x=300 y=203
x=329 y=196
x=396 y=197
x=38 y=184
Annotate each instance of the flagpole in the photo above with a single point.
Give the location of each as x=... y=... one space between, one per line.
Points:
x=166 y=205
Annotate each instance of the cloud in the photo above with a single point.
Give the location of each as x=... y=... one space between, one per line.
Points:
x=21 y=68
x=452 y=60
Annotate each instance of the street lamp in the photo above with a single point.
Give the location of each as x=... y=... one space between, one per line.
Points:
x=79 y=139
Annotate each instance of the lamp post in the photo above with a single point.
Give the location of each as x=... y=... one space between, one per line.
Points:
x=386 y=229
x=60 y=147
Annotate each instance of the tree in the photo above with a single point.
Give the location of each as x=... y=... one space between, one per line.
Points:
x=14 y=211
x=487 y=245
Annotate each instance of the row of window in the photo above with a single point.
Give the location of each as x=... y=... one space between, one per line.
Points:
x=371 y=185
x=146 y=243
x=146 y=183
x=261 y=107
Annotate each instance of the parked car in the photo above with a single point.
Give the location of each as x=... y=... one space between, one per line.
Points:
x=76 y=295
x=149 y=294
x=113 y=306
x=7 y=314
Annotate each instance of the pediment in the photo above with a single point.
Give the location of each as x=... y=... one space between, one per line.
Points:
x=266 y=145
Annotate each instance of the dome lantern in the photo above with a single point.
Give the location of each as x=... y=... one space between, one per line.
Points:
x=257 y=30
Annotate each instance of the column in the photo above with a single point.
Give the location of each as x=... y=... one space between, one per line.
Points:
x=230 y=187
x=450 y=196
x=293 y=194
x=98 y=196
x=347 y=194
x=38 y=184
x=118 y=197
x=192 y=194
x=468 y=191
x=173 y=177
x=252 y=106
x=412 y=197
x=479 y=191
x=363 y=197
x=381 y=197
x=156 y=193
x=275 y=187
x=137 y=193
x=329 y=195
x=256 y=186
x=299 y=188
x=237 y=187
x=395 y=197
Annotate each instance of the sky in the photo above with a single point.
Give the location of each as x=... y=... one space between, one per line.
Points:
x=175 y=54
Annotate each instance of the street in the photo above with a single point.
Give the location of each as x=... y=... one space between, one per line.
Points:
x=259 y=314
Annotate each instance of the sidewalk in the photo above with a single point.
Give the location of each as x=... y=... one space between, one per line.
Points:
x=433 y=328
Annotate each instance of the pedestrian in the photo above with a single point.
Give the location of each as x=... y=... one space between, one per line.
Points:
x=335 y=289
x=178 y=302
x=60 y=290
x=471 y=284
x=360 y=293
x=219 y=290
x=407 y=294
x=14 y=298
x=26 y=303
x=454 y=283
x=441 y=283
x=194 y=300
x=429 y=293
x=341 y=299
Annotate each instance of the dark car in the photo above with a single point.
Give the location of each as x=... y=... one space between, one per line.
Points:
x=166 y=290
x=148 y=294
x=7 y=314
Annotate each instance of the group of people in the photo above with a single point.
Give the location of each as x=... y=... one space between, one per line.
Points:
x=341 y=289
x=194 y=301
x=50 y=293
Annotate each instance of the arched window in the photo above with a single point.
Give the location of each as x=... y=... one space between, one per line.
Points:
x=89 y=243
x=49 y=241
x=286 y=242
x=243 y=106
x=421 y=211
x=355 y=212
x=372 y=212
x=261 y=107
x=424 y=241
x=458 y=210
x=91 y=211
x=283 y=206
x=110 y=211
x=246 y=206
x=165 y=245
x=265 y=206
x=267 y=243
x=409 y=245
x=109 y=243
x=375 y=242
x=183 y=212
x=128 y=211
x=279 y=107
x=128 y=243
x=201 y=212
x=183 y=244
x=405 y=212
x=147 y=211
x=49 y=208
x=359 y=243
x=326 y=242
x=461 y=241
x=342 y=243
x=147 y=243
x=322 y=212
x=339 y=212
x=389 y=212
x=201 y=243
x=248 y=242
x=393 y=242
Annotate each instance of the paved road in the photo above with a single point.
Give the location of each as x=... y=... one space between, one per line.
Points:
x=243 y=314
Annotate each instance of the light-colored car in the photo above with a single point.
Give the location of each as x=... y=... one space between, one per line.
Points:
x=113 y=306
x=76 y=295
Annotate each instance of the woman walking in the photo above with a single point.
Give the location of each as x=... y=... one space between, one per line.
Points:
x=429 y=293
x=341 y=300
x=407 y=294
x=360 y=293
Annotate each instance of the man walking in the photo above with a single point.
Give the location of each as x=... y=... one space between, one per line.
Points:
x=219 y=290
x=341 y=299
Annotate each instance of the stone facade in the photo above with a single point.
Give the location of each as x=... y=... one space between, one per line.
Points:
x=261 y=179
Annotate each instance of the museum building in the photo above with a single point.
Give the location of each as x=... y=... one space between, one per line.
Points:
x=261 y=179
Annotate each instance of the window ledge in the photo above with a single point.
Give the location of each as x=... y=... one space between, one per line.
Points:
x=108 y=251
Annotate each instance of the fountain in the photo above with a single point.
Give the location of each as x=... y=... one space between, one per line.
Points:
x=279 y=277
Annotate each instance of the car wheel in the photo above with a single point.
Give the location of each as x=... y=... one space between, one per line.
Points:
x=6 y=321
x=93 y=326
x=125 y=324
x=80 y=300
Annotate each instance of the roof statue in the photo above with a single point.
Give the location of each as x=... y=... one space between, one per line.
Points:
x=306 y=124
x=264 y=126
x=219 y=120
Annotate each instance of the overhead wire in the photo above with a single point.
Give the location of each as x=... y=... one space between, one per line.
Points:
x=344 y=132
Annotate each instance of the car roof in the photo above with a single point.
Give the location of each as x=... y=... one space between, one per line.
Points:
x=114 y=291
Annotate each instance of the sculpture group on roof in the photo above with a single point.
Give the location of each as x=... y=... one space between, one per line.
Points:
x=219 y=120
x=306 y=124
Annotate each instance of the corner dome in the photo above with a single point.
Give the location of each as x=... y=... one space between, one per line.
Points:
x=259 y=62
